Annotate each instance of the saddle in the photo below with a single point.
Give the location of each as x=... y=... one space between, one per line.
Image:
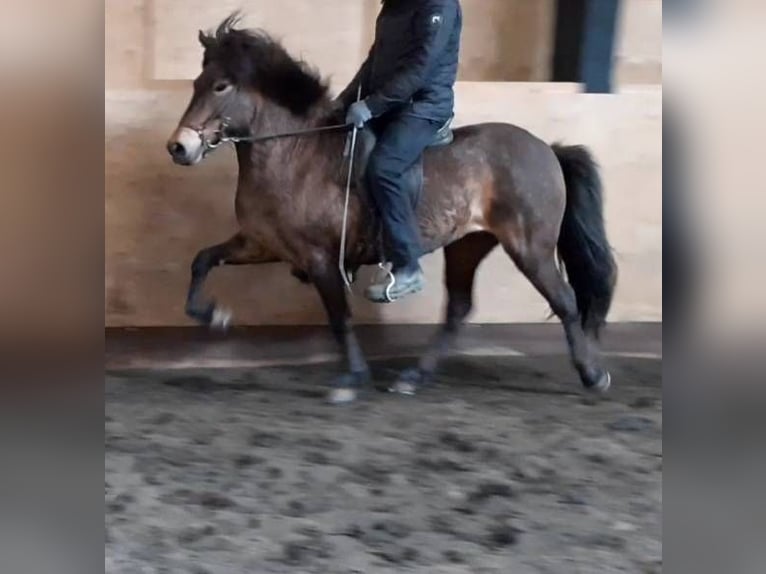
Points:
x=413 y=178
x=366 y=141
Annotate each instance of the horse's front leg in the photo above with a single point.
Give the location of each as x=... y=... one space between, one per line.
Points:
x=329 y=283
x=236 y=251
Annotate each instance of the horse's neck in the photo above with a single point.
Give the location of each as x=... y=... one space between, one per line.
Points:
x=273 y=165
x=274 y=119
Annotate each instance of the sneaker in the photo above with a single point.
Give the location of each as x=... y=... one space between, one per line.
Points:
x=396 y=285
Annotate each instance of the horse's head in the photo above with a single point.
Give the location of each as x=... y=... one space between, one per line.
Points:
x=242 y=71
x=222 y=102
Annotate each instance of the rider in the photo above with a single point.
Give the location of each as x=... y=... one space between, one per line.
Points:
x=407 y=97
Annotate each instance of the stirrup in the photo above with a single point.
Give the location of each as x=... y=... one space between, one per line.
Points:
x=444 y=136
x=391 y=282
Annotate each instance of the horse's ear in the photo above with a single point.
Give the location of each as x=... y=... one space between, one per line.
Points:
x=204 y=39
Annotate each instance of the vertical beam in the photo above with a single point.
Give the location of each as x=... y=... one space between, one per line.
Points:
x=585 y=42
x=568 y=38
x=598 y=45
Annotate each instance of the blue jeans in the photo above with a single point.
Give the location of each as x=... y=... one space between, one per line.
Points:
x=401 y=140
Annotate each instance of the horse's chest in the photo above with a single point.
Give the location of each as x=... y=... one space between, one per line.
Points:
x=278 y=225
x=260 y=219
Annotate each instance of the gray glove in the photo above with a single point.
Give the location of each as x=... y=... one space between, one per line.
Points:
x=358 y=114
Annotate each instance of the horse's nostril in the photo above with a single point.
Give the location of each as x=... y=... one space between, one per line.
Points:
x=176 y=149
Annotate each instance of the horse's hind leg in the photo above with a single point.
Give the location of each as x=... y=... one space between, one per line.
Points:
x=236 y=251
x=538 y=264
x=462 y=259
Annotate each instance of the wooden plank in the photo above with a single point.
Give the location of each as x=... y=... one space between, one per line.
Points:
x=332 y=35
x=158 y=214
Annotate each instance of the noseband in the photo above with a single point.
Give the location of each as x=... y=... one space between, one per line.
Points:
x=219 y=134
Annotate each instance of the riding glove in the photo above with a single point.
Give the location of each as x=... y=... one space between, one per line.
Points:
x=358 y=114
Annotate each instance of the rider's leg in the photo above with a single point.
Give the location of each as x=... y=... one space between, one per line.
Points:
x=401 y=142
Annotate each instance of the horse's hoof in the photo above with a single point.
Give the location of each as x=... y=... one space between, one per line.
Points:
x=408 y=382
x=342 y=396
x=221 y=319
x=347 y=388
x=602 y=385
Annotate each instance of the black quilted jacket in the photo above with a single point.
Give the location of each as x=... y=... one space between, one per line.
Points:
x=412 y=65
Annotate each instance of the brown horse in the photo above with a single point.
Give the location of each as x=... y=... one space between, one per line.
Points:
x=496 y=183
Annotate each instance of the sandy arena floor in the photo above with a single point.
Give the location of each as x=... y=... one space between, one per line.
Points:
x=504 y=466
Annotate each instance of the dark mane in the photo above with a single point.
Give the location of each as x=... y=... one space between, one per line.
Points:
x=253 y=58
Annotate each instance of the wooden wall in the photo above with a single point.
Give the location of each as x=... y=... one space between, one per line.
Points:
x=158 y=214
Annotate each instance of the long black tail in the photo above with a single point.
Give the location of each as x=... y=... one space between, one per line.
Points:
x=583 y=246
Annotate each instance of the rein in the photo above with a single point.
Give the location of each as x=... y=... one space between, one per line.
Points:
x=297 y=133
x=223 y=138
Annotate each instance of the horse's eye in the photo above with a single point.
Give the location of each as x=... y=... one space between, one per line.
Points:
x=221 y=87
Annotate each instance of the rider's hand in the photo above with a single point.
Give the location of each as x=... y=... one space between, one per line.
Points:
x=358 y=114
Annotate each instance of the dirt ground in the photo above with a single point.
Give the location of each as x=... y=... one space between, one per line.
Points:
x=503 y=466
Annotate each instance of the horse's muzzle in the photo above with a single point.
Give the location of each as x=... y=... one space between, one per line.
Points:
x=185 y=146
